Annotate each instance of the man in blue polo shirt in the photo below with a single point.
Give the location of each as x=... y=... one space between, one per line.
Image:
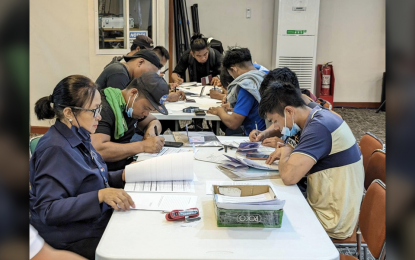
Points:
x=327 y=153
x=243 y=93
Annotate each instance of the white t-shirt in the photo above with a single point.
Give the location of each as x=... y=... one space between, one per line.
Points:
x=36 y=242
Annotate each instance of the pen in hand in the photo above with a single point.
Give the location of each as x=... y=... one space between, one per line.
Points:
x=155 y=130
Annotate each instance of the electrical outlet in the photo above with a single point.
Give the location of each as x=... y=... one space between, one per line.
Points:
x=248 y=13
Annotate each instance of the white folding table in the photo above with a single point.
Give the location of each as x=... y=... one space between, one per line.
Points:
x=147 y=235
x=175 y=109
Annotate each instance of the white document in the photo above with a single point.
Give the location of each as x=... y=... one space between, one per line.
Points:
x=265 y=201
x=166 y=150
x=160 y=186
x=188 y=84
x=172 y=172
x=234 y=143
x=246 y=199
x=170 y=167
x=146 y=201
x=209 y=184
x=216 y=157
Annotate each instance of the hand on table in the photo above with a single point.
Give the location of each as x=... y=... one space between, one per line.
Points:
x=216 y=94
x=227 y=107
x=173 y=85
x=272 y=142
x=153 y=144
x=176 y=96
x=118 y=199
x=256 y=136
x=215 y=82
x=178 y=81
x=215 y=110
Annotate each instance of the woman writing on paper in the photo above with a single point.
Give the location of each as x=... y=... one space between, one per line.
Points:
x=72 y=194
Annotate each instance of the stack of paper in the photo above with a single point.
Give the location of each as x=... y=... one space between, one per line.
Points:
x=263 y=201
x=245 y=162
x=169 y=173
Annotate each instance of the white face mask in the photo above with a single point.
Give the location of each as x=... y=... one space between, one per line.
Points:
x=286 y=132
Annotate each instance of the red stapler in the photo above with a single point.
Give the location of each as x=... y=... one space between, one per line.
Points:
x=188 y=215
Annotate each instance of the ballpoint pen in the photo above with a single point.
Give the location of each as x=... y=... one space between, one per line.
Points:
x=256 y=127
x=155 y=130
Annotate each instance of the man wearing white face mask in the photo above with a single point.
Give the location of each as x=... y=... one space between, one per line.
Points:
x=327 y=153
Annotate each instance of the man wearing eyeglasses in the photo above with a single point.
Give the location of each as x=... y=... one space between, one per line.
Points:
x=125 y=110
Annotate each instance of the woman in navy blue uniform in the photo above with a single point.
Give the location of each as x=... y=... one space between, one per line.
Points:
x=72 y=194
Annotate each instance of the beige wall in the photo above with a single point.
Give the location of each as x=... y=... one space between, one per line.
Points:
x=352 y=35
x=226 y=21
x=58 y=46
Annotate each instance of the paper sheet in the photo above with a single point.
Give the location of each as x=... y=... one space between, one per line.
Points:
x=210 y=138
x=160 y=186
x=146 y=201
x=165 y=151
x=216 y=157
x=170 y=167
x=246 y=199
x=188 y=84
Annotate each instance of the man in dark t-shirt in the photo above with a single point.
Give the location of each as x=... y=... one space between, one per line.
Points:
x=200 y=60
x=119 y=74
x=120 y=119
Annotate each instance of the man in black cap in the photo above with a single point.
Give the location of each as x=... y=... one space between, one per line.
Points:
x=141 y=42
x=119 y=74
x=123 y=111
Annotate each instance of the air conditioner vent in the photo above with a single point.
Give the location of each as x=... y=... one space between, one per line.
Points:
x=302 y=66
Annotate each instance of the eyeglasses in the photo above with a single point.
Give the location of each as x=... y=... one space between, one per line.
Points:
x=96 y=111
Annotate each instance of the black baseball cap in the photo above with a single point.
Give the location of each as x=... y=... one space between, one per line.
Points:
x=147 y=55
x=154 y=88
x=144 y=41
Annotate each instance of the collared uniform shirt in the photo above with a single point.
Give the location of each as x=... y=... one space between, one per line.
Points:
x=65 y=181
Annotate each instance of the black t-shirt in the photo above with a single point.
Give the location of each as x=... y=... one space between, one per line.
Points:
x=202 y=70
x=114 y=75
x=107 y=126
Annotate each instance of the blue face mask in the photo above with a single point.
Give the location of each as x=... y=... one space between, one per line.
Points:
x=286 y=132
x=130 y=110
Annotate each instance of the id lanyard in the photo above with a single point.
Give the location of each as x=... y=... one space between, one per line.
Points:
x=100 y=168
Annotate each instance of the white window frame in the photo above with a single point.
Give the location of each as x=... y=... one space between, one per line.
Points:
x=126 y=5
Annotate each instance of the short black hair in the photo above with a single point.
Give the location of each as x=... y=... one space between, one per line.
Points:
x=162 y=52
x=225 y=77
x=197 y=43
x=277 y=96
x=279 y=74
x=237 y=55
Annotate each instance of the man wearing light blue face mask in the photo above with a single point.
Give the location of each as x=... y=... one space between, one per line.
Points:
x=327 y=153
x=125 y=110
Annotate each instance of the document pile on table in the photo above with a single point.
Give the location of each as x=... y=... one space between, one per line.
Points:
x=168 y=173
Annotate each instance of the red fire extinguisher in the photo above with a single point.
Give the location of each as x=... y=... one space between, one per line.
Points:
x=325 y=81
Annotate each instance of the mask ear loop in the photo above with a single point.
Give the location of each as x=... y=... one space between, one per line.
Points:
x=285 y=119
x=293 y=122
x=128 y=102
x=134 y=99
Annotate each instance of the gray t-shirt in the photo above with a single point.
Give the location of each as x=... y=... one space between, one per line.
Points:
x=114 y=75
